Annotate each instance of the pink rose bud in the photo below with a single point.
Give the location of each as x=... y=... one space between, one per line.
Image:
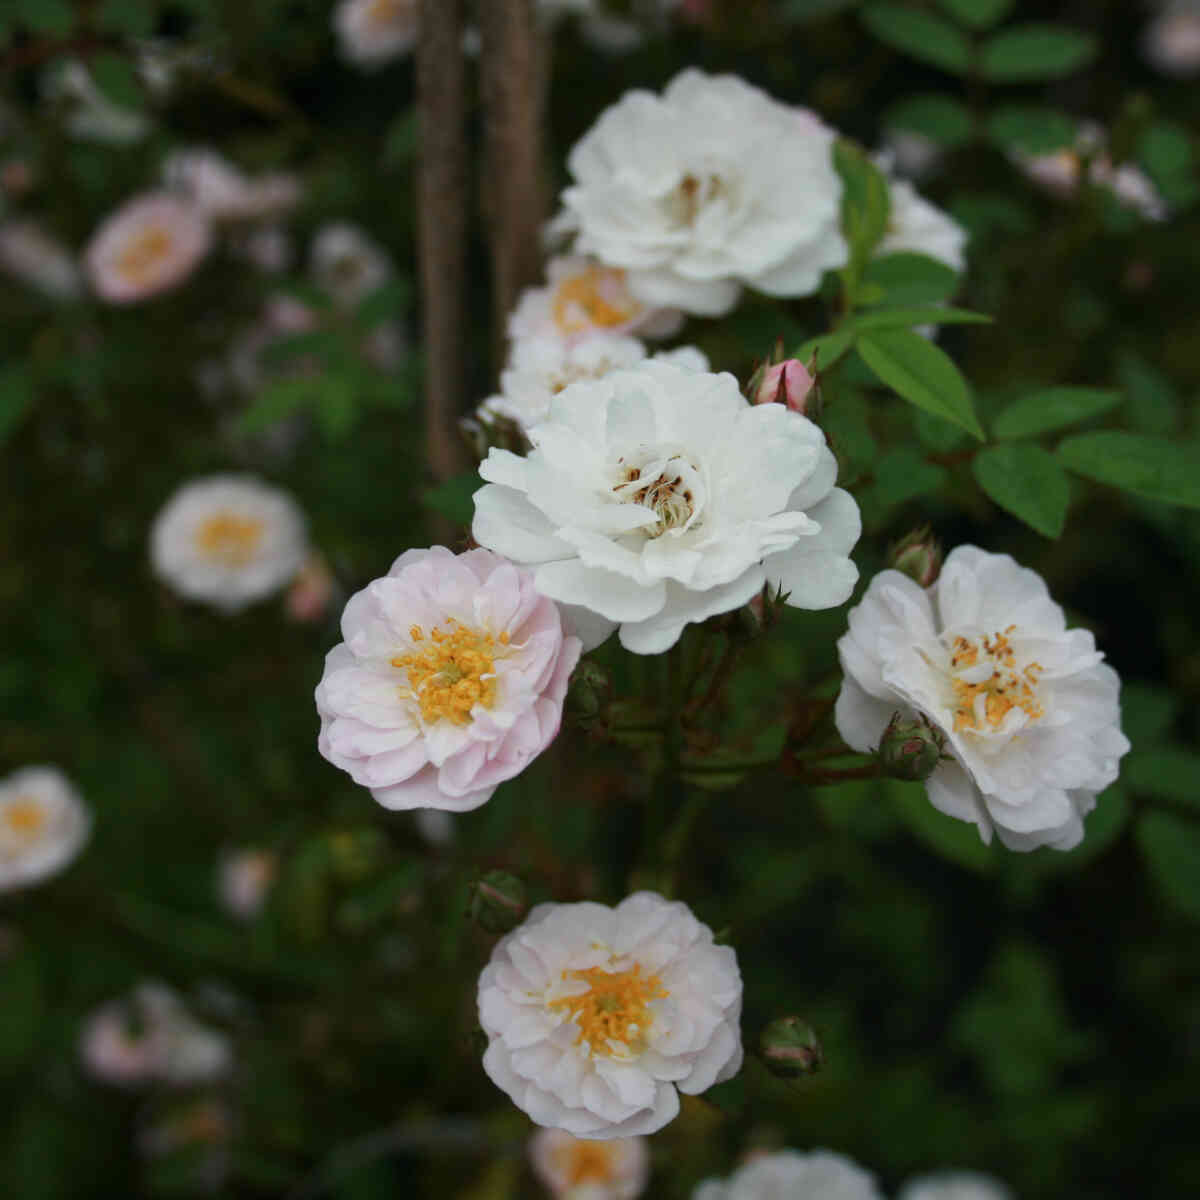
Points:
x=786 y=382
x=918 y=555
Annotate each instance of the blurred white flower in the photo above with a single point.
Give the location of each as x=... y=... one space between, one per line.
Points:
x=817 y=1175
x=347 y=264
x=372 y=32
x=597 y=1017
x=43 y=825
x=540 y=367
x=32 y=256
x=955 y=1185
x=222 y=192
x=450 y=680
x=1029 y=710
x=150 y=245
x=657 y=496
x=228 y=540
x=911 y=154
x=244 y=877
x=708 y=187
x=90 y=114
x=918 y=227
x=617 y=1169
x=1171 y=42
x=150 y=1037
x=435 y=825
x=583 y=297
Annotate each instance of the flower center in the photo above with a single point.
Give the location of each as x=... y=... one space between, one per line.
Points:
x=25 y=817
x=615 y=1008
x=144 y=252
x=451 y=672
x=596 y=297
x=583 y=1161
x=665 y=481
x=382 y=13
x=229 y=539
x=693 y=194
x=988 y=685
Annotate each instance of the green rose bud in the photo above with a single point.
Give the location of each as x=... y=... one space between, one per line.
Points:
x=790 y=1048
x=910 y=749
x=918 y=555
x=498 y=902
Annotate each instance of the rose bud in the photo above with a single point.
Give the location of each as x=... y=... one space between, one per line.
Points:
x=910 y=749
x=917 y=555
x=790 y=1048
x=498 y=902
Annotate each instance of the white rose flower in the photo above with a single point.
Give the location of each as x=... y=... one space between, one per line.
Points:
x=43 y=825
x=918 y=227
x=583 y=297
x=347 y=264
x=658 y=496
x=33 y=256
x=372 y=32
x=89 y=114
x=572 y=1168
x=705 y=188
x=450 y=680
x=223 y=192
x=228 y=540
x=540 y=367
x=244 y=877
x=817 y=1175
x=598 y=1017
x=149 y=246
x=955 y=1185
x=1172 y=39
x=1029 y=710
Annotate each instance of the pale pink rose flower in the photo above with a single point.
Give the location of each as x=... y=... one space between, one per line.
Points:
x=149 y=246
x=617 y=1169
x=244 y=877
x=311 y=591
x=451 y=679
x=224 y=193
x=372 y=32
x=128 y=1041
x=1172 y=40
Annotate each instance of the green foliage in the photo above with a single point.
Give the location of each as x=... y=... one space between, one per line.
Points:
x=1027 y=53
x=1151 y=401
x=1051 y=409
x=453 y=499
x=978 y=14
x=865 y=204
x=1028 y=482
x=919 y=34
x=55 y=18
x=910 y=279
x=942 y=119
x=1152 y=467
x=1031 y=130
x=16 y=397
x=1170 y=846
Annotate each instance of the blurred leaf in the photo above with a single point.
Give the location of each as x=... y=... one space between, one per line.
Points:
x=1152 y=401
x=990 y=215
x=22 y=1001
x=922 y=373
x=1147 y=713
x=846 y=422
x=978 y=14
x=889 y=318
x=115 y=77
x=1165 y=149
x=1152 y=467
x=936 y=434
x=336 y=408
x=901 y=474
x=133 y=18
x=401 y=142
x=1053 y=408
x=911 y=278
x=1171 y=847
x=454 y=498
x=827 y=348
x=1031 y=130
x=958 y=841
x=16 y=398
x=921 y=35
x=865 y=201
x=53 y=17
x=393 y=300
x=939 y=118
x=1026 y=481
x=1029 y=53
x=1170 y=773
x=278 y=400
x=318 y=343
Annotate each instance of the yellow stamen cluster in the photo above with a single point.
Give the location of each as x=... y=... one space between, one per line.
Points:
x=381 y=13
x=586 y=292
x=451 y=674
x=615 y=1007
x=141 y=257
x=24 y=817
x=1002 y=691
x=584 y=1161
x=230 y=539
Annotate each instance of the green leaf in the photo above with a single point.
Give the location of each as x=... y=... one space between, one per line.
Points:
x=393 y=299
x=1031 y=130
x=1028 y=53
x=865 y=201
x=401 y=141
x=1152 y=400
x=1170 y=773
x=1053 y=408
x=828 y=348
x=53 y=17
x=454 y=499
x=939 y=118
x=978 y=14
x=922 y=373
x=902 y=474
x=846 y=421
x=1171 y=848
x=1165 y=150
x=1026 y=481
x=891 y=318
x=913 y=279
x=336 y=408
x=279 y=400
x=133 y=18
x=1147 y=713
x=16 y=398
x=115 y=77
x=936 y=434
x=921 y=35
x=317 y=343
x=1152 y=467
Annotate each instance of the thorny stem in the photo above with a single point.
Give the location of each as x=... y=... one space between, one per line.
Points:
x=835 y=774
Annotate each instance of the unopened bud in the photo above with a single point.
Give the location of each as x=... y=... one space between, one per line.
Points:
x=790 y=1048
x=589 y=690
x=498 y=902
x=911 y=748
x=917 y=555
x=780 y=380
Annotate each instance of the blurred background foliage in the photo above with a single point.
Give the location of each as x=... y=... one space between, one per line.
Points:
x=1033 y=1015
